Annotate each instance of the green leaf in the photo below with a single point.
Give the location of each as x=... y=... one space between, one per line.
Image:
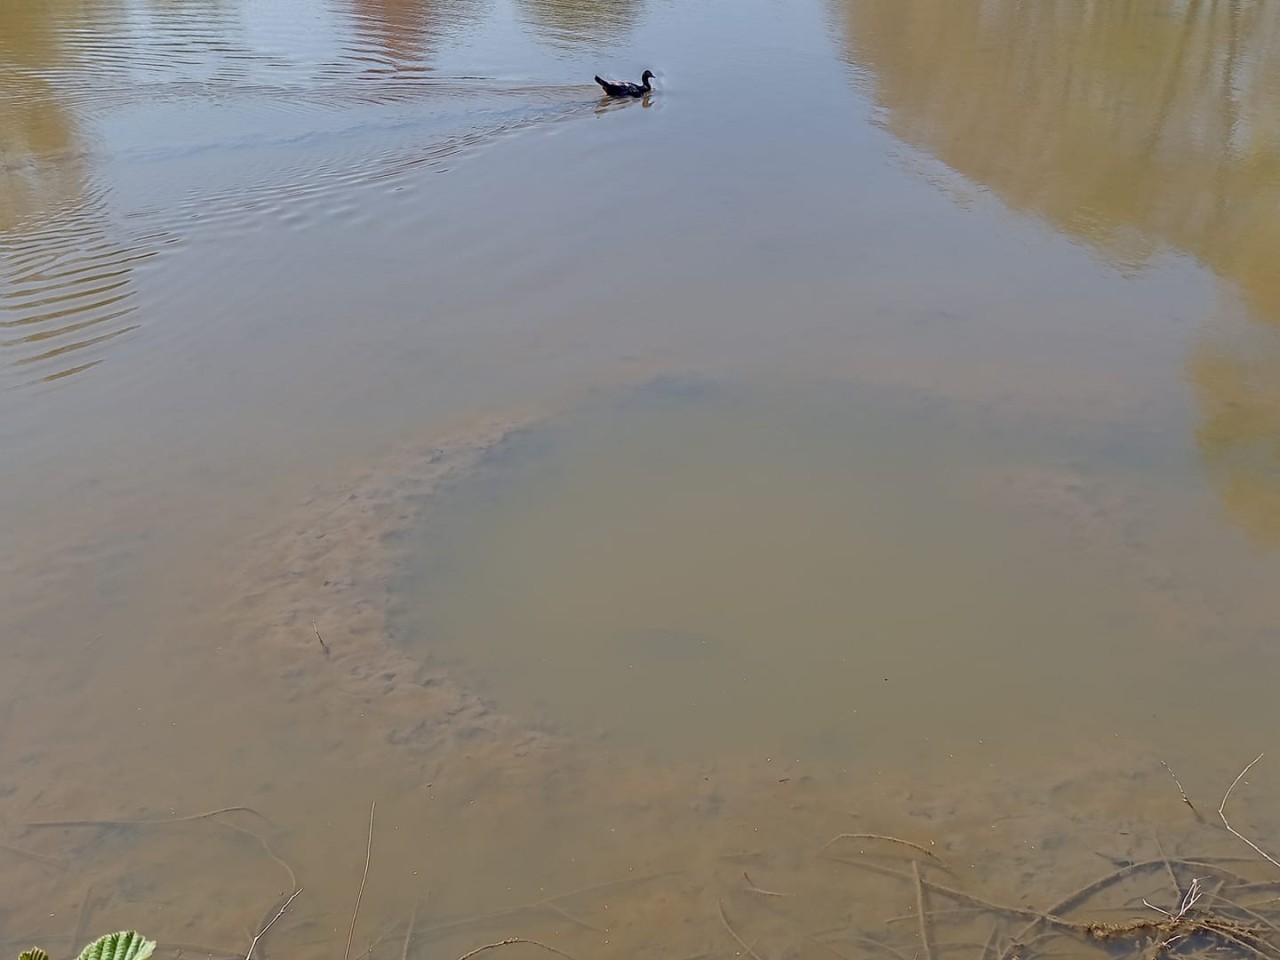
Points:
x=35 y=953
x=125 y=945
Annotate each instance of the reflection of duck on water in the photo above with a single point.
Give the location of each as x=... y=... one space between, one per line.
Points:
x=625 y=88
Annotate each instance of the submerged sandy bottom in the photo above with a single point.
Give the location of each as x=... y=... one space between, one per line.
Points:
x=491 y=824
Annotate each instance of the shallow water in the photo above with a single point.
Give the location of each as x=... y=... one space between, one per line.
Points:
x=703 y=570
x=908 y=339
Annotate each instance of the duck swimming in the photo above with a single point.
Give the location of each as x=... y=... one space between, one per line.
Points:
x=625 y=88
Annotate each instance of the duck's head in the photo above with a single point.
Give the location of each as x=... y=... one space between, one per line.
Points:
x=646 y=76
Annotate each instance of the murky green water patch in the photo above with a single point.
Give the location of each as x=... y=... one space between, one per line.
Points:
x=698 y=568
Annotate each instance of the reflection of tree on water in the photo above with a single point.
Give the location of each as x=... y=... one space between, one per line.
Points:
x=1128 y=125
x=1237 y=383
x=66 y=286
x=40 y=169
x=407 y=32
x=582 y=21
x=38 y=140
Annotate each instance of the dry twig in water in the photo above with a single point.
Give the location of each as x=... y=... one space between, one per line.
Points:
x=1035 y=916
x=1234 y=832
x=1178 y=783
x=751 y=886
x=323 y=646
x=878 y=836
x=270 y=923
x=408 y=934
x=368 y=855
x=508 y=942
x=924 y=927
x=990 y=948
x=141 y=823
x=734 y=933
x=266 y=847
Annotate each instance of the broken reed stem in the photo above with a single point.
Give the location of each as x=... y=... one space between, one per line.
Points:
x=878 y=836
x=368 y=855
x=751 y=886
x=1251 y=914
x=146 y=822
x=990 y=949
x=1053 y=915
x=1073 y=899
x=511 y=940
x=733 y=933
x=324 y=646
x=1178 y=783
x=270 y=923
x=924 y=926
x=266 y=848
x=408 y=934
x=1234 y=832
x=1036 y=915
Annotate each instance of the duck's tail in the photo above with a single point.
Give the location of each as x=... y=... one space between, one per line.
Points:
x=603 y=83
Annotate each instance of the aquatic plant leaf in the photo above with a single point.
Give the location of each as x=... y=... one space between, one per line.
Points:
x=125 y=945
x=35 y=953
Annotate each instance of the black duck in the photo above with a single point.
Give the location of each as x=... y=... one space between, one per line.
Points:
x=624 y=88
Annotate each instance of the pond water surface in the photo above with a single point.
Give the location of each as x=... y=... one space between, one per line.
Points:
x=877 y=430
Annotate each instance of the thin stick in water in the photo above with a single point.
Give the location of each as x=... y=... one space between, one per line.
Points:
x=733 y=933
x=408 y=934
x=508 y=942
x=924 y=924
x=266 y=847
x=368 y=855
x=270 y=923
x=145 y=822
x=1234 y=832
x=751 y=885
x=990 y=948
x=1178 y=783
x=878 y=836
x=323 y=646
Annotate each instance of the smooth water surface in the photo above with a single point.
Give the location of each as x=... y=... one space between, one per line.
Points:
x=928 y=340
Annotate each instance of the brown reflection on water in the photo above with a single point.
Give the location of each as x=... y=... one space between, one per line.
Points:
x=403 y=34
x=1237 y=385
x=1135 y=127
x=572 y=22
x=40 y=171
x=67 y=283
x=40 y=168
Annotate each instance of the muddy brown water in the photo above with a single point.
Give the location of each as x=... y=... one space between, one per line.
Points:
x=875 y=432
